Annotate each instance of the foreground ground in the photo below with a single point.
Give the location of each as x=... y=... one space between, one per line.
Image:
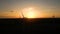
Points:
x=30 y=25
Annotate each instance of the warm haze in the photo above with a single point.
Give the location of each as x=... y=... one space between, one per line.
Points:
x=30 y=8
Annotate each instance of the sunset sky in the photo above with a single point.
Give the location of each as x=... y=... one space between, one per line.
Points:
x=40 y=8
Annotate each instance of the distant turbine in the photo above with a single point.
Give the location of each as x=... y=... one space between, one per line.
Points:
x=53 y=16
x=11 y=11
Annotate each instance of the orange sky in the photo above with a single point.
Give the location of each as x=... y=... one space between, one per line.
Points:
x=41 y=8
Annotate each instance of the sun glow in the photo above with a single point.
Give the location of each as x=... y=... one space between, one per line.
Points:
x=29 y=13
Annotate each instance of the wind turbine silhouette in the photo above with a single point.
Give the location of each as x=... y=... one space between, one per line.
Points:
x=22 y=14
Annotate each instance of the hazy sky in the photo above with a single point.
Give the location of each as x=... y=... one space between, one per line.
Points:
x=47 y=8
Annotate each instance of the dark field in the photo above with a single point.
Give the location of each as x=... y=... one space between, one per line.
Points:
x=32 y=25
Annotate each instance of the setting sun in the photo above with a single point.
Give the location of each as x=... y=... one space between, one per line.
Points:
x=29 y=12
x=30 y=15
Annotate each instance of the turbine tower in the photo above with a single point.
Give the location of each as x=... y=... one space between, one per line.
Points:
x=22 y=14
